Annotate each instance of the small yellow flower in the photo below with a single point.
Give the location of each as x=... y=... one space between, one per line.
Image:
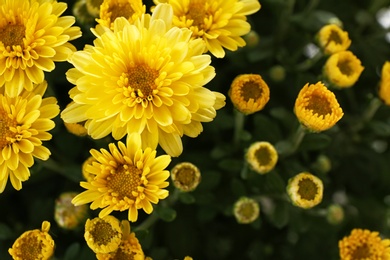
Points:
x=66 y=214
x=364 y=244
x=305 y=190
x=384 y=84
x=249 y=93
x=316 y=107
x=246 y=210
x=185 y=176
x=129 y=247
x=188 y=258
x=343 y=69
x=112 y=9
x=103 y=235
x=93 y=7
x=332 y=39
x=126 y=178
x=262 y=157
x=33 y=36
x=335 y=214
x=33 y=244
x=220 y=23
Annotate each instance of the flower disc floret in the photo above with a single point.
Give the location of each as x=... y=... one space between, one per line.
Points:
x=220 y=23
x=32 y=37
x=126 y=178
x=316 y=107
x=24 y=123
x=146 y=78
x=364 y=244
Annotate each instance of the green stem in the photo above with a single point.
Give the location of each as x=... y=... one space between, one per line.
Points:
x=297 y=138
x=239 y=120
x=368 y=114
x=147 y=223
x=307 y=64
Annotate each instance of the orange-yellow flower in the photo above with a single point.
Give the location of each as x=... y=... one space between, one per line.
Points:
x=332 y=39
x=384 y=84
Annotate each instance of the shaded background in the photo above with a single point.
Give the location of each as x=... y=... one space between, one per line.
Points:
x=200 y=223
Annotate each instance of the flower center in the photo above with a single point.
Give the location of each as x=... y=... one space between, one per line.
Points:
x=319 y=105
x=30 y=248
x=103 y=232
x=125 y=181
x=334 y=37
x=263 y=156
x=345 y=67
x=307 y=189
x=12 y=34
x=124 y=254
x=250 y=90
x=197 y=12
x=6 y=135
x=186 y=176
x=141 y=80
x=121 y=10
x=247 y=210
x=361 y=252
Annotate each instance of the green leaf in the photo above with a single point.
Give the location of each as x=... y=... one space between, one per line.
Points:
x=166 y=214
x=315 y=141
x=5 y=232
x=281 y=215
x=186 y=198
x=72 y=252
x=380 y=128
x=238 y=188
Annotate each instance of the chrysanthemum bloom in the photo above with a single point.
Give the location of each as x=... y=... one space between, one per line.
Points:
x=305 y=190
x=127 y=178
x=129 y=248
x=249 y=93
x=24 y=122
x=343 y=69
x=93 y=7
x=384 y=84
x=32 y=37
x=246 y=210
x=220 y=23
x=33 y=244
x=185 y=176
x=316 y=107
x=364 y=244
x=88 y=176
x=112 y=9
x=103 y=235
x=331 y=38
x=153 y=77
x=67 y=215
x=262 y=157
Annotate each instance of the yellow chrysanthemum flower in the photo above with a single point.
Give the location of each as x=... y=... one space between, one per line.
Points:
x=112 y=9
x=384 y=84
x=220 y=23
x=24 y=122
x=129 y=247
x=305 y=190
x=331 y=38
x=343 y=69
x=249 y=93
x=316 y=107
x=103 y=235
x=246 y=210
x=32 y=37
x=153 y=78
x=364 y=244
x=262 y=157
x=127 y=178
x=185 y=176
x=33 y=244
x=67 y=215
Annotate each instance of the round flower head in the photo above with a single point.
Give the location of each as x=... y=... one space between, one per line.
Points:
x=305 y=190
x=220 y=23
x=112 y=9
x=246 y=210
x=33 y=244
x=384 y=84
x=316 y=107
x=364 y=244
x=262 y=157
x=129 y=247
x=153 y=76
x=249 y=93
x=343 y=69
x=103 y=235
x=32 y=37
x=335 y=214
x=24 y=122
x=332 y=39
x=126 y=178
x=66 y=214
x=93 y=7
x=185 y=176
